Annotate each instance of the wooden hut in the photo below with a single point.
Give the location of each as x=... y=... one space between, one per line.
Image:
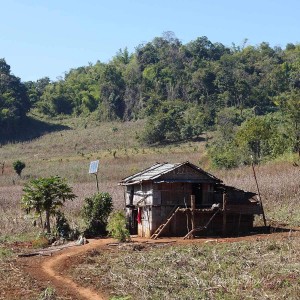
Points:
x=183 y=200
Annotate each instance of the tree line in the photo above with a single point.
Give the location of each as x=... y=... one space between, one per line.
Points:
x=182 y=90
x=14 y=100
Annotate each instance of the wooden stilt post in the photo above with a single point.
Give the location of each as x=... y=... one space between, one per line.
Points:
x=193 y=204
x=224 y=229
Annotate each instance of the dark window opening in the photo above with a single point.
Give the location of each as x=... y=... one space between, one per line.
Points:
x=197 y=191
x=132 y=221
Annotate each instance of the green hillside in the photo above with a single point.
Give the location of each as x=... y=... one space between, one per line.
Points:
x=248 y=94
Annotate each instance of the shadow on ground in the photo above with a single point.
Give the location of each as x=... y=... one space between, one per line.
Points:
x=255 y=231
x=29 y=129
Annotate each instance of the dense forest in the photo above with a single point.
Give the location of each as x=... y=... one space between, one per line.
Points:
x=248 y=95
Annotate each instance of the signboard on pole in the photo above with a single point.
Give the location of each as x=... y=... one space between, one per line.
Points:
x=94 y=167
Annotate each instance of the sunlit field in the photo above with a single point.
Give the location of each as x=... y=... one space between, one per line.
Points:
x=232 y=271
x=68 y=154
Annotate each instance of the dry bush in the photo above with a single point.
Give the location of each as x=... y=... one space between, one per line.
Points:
x=12 y=219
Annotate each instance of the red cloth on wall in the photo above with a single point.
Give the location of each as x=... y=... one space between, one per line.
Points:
x=139 y=215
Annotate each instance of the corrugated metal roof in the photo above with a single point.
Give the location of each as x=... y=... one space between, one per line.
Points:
x=158 y=170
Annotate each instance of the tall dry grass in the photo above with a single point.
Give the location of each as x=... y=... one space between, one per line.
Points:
x=69 y=152
x=279 y=185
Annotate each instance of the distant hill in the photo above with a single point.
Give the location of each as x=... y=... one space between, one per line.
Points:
x=248 y=94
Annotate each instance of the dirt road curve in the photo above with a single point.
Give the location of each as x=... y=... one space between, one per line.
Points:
x=48 y=270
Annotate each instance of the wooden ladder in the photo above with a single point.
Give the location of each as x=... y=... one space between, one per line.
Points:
x=160 y=229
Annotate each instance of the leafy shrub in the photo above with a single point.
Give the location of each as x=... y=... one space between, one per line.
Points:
x=116 y=226
x=224 y=154
x=95 y=213
x=63 y=228
x=261 y=137
x=173 y=121
x=224 y=159
x=193 y=122
x=19 y=166
x=165 y=124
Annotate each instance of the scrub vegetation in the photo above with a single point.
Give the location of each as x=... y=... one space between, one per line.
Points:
x=219 y=107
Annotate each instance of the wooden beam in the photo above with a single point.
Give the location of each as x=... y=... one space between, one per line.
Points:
x=224 y=228
x=193 y=205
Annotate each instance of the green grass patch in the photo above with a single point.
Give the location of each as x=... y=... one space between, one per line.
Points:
x=18 y=238
x=4 y=252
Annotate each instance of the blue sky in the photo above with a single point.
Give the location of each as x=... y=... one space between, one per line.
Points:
x=47 y=38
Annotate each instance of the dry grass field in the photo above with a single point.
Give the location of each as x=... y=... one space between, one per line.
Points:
x=256 y=269
x=68 y=154
x=251 y=270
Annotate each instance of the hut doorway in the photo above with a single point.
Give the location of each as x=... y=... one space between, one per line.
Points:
x=133 y=223
x=197 y=191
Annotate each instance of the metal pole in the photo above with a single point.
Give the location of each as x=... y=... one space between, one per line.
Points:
x=97 y=182
x=259 y=197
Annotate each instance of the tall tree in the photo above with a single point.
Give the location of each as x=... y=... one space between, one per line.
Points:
x=14 y=102
x=112 y=90
x=289 y=104
x=46 y=195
